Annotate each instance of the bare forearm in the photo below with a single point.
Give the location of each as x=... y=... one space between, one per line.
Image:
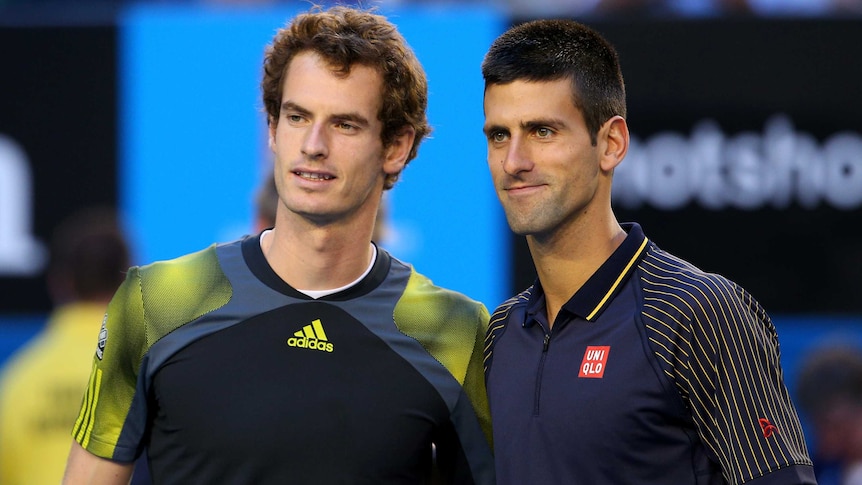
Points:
x=84 y=468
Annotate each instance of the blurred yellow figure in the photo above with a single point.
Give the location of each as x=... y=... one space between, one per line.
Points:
x=42 y=383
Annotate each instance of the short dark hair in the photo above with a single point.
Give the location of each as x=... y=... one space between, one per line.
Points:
x=828 y=375
x=345 y=37
x=90 y=253
x=550 y=50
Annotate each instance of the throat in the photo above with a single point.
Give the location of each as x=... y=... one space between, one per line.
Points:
x=321 y=293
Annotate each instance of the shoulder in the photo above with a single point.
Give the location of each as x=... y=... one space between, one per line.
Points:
x=422 y=296
x=666 y=276
x=193 y=268
x=509 y=310
x=166 y=294
x=703 y=302
x=191 y=277
x=439 y=314
x=505 y=309
x=449 y=325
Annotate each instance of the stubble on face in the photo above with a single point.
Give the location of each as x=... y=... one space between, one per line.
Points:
x=544 y=166
x=329 y=154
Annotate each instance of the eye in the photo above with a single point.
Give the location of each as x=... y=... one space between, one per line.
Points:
x=497 y=137
x=346 y=126
x=294 y=118
x=543 y=132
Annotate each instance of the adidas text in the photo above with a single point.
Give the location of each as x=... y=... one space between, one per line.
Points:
x=309 y=343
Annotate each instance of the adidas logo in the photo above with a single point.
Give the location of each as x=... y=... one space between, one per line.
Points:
x=311 y=337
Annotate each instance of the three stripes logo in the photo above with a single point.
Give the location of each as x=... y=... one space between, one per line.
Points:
x=311 y=337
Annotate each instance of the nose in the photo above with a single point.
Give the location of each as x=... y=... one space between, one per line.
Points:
x=315 y=144
x=516 y=159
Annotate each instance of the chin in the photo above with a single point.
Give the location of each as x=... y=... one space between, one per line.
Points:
x=522 y=228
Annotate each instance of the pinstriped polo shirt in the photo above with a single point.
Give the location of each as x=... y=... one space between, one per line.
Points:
x=655 y=372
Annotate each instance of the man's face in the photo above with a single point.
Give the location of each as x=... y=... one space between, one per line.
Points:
x=544 y=168
x=839 y=430
x=330 y=160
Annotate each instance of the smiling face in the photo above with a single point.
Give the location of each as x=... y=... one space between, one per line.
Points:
x=546 y=172
x=330 y=161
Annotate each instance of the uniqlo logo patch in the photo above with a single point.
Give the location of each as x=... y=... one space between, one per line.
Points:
x=595 y=361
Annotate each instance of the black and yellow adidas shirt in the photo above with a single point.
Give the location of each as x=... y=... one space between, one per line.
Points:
x=223 y=373
x=654 y=373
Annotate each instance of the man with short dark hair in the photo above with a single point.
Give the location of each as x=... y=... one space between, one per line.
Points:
x=621 y=364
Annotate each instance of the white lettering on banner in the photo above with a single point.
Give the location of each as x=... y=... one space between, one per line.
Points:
x=748 y=171
x=20 y=253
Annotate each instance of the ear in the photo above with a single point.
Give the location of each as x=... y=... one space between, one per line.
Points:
x=271 y=125
x=614 y=141
x=395 y=155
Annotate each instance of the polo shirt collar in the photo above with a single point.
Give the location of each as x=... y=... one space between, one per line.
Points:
x=592 y=299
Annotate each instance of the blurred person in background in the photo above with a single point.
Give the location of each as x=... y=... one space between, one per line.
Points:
x=830 y=394
x=42 y=383
x=304 y=354
x=265 y=204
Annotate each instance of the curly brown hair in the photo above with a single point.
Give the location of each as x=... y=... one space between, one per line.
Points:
x=345 y=37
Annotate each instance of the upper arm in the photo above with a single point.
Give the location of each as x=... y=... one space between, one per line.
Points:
x=747 y=414
x=84 y=468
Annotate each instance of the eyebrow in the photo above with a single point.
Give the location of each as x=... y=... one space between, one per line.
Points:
x=551 y=122
x=290 y=105
x=350 y=116
x=526 y=125
x=488 y=129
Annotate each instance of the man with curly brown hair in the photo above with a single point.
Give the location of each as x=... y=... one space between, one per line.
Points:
x=304 y=354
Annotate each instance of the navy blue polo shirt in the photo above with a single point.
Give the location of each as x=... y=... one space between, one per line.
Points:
x=655 y=372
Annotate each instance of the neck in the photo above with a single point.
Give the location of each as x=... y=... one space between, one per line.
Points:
x=318 y=257
x=565 y=260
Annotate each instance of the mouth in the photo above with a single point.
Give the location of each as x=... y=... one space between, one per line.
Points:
x=316 y=176
x=521 y=189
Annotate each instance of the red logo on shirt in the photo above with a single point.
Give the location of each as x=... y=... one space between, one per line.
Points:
x=595 y=361
x=767 y=427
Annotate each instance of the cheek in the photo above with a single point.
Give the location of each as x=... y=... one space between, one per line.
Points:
x=495 y=159
x=276 y=138
x=495 y=168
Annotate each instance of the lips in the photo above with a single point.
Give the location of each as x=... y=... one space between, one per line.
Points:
x=521 y=188
x=313 y=175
